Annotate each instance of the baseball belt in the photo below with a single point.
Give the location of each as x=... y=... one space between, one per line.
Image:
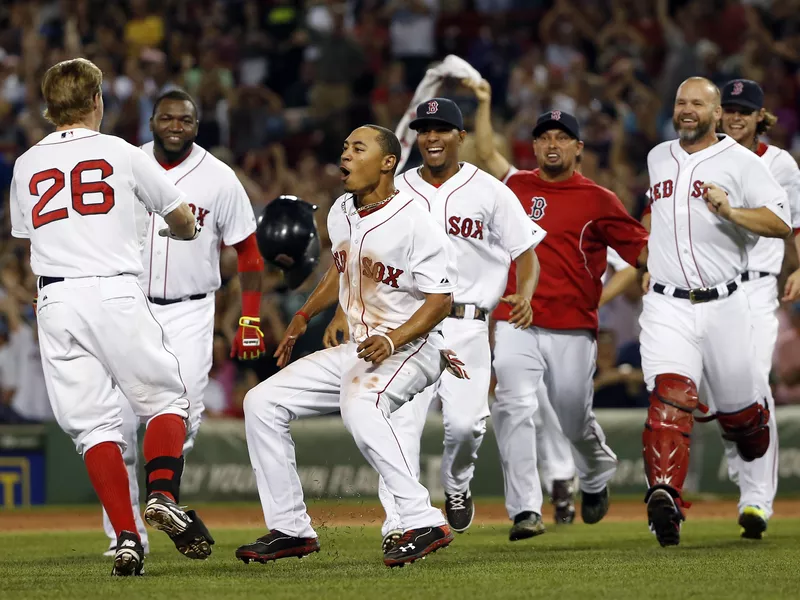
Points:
x=44 y=280
x=696 y=296
x=168 y=301
x=460 y=311
x=753 y=275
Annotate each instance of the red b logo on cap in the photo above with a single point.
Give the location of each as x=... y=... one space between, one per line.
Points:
x=738 y=88
x=555 y=115
x=433 y=106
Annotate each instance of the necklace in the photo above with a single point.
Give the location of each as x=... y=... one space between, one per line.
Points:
x=378 y=203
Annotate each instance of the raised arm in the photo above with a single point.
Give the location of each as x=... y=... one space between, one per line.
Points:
x=495 y=163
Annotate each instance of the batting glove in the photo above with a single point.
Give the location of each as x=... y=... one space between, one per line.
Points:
x=453 y=365
x=249 y=341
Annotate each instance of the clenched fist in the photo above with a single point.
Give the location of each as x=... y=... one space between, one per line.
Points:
x=249 y=341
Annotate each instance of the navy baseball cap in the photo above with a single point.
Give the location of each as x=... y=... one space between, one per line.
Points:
x=557 y=119
x=439 y=110
x=743 y=92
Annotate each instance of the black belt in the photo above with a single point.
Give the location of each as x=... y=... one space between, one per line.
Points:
x=168 y=301
x=459 y=310
x=753 y=275
x=695 y=296
x=43 y=281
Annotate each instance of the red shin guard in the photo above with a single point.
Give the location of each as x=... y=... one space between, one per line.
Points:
x=748 y=429
x=163 y=450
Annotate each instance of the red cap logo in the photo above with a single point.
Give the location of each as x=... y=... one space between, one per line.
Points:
x=555 y=115
x=738 y=88
x=433 y=107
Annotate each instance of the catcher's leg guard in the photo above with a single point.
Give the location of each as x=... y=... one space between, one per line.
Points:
x=666 y=434
x=748 y=429
x=163 y=465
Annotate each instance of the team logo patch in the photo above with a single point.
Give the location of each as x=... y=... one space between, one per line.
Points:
x=555 y=115
x=433 y=107
x=738 y=88
x=538 y=204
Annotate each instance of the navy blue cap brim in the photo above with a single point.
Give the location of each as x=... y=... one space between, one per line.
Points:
x=552 y=124
x=414 y=125
x=740 y=102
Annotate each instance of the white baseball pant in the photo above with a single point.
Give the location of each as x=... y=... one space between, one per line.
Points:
x=465 y=408
x=189 y=327
x=334 y=380
x=553 y=449
x=566 y=361
x=95 y=330
x=758 y=479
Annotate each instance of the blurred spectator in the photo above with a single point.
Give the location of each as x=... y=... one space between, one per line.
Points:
x=786 y=361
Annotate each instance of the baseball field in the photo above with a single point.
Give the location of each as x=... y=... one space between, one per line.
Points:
x=56 y=553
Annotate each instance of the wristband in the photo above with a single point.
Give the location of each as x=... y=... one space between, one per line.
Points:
x=303 y=314
x=391 y=343
x=249 y=321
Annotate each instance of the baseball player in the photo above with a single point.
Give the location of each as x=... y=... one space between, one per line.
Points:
x=582 y=220
x=488 y=229
x=554 y=452
x=393 y=271
x=710 y=200
x=73 y=195
x=180 y=279
x=744 y=118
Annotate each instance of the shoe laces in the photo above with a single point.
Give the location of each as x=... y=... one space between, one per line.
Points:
x=457 y=501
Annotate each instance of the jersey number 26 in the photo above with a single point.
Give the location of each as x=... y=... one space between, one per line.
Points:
x=77 y=188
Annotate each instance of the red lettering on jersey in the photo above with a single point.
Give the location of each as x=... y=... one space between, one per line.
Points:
x=668 y=187
x=377 y=270
x=340 y=260
x=454 y=228
x=199 y=214
x=39 y=218
x=366 y=267
x=662 y=189
x=392 y=275
x=656 y=194
x=466 y=227
x=478 y=235
x=697 y=191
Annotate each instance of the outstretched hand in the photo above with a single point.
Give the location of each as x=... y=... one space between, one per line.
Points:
x=295 y=329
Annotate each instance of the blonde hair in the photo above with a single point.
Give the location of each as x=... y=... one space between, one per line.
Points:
x=69 y=88
x=767 y=123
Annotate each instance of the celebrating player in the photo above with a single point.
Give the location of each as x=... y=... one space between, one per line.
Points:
x=74 y=195
x=709 y=195
x=180 y=279
x=744 y=118
x=489 y=230
x=582 y=220
x=394 y=272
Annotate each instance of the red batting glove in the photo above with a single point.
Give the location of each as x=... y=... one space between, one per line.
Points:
x=249 y=341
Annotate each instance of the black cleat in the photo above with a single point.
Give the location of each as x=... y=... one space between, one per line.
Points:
x=526 y=525
x=416 y=544
x=390 y=539
x=562 y=497
x=594 y=506
x=753 y=522
x=185 y=529
x=664 y=517
x=129 y=556
x=275 y=545
x=459 y=510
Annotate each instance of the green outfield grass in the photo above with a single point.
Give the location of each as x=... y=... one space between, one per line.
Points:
x=608 y=560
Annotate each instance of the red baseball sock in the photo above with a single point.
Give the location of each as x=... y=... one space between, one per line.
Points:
x=109 y=478
x=164 y=436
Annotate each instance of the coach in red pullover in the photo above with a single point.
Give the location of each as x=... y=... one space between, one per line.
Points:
x=582 y=220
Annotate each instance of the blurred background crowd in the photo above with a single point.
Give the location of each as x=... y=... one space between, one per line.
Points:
x=280 y=83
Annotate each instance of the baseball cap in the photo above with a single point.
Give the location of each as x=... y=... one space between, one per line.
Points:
x=557 y=119
x=440 y=110
x=743 y=92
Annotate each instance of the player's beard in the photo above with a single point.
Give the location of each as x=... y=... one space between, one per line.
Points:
x=173 y=156
x=553 y=170
x=691 y=136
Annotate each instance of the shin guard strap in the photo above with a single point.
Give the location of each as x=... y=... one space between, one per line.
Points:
x=170 y=485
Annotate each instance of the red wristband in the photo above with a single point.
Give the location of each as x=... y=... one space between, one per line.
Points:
x=304 y=315
x=251 y=304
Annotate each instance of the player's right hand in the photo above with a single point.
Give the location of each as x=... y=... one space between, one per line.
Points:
x=645 y=282
x=481 y=89
x=330 y=339
x=295 y=329
x=521 y=312
x=792 y=290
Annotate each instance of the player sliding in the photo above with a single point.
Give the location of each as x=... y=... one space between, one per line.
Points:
x=74 y=196
x=710 y=200
x=394 y=272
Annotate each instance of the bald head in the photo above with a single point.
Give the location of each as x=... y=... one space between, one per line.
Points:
x=697 y=111
x=702 y=86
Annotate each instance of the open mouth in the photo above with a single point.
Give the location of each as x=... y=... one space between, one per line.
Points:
x=173 y=139
x=553 y=156
x=345 y=173
x=435 y=150
x=688 y=121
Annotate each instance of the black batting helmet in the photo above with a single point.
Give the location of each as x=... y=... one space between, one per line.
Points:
x=288 y=239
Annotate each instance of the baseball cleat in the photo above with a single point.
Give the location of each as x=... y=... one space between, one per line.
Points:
x=460 y=510
x=391 y=539
x=562 y=498
x=753 y=522
x=664 y=518
x=112 y=547
x=526 y=525
x=416 y=544
x=128 y=556
x=594 y=506
x=185 y=529
x=275 y=545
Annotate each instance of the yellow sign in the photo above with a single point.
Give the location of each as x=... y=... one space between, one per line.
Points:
x=14 y=471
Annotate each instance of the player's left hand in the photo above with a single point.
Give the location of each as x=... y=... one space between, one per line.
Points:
x=374 y=349
x=792 y=290
x=716 y=200
x=453 y=365
x=248 y=344
x=166 y=232
x=521 y=312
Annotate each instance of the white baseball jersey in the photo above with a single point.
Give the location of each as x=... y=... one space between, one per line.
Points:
x=767 y=256
x=387 y=261
x=486 y=224
x=74 y=194
x=691 y=247
x=223 y=212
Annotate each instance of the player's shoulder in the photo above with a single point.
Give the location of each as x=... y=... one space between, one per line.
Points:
x=779 y=158
x=217 y=167
x=521 y=177
x=662 y=150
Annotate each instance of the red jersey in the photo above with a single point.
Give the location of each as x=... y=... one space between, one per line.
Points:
x=581 y=219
